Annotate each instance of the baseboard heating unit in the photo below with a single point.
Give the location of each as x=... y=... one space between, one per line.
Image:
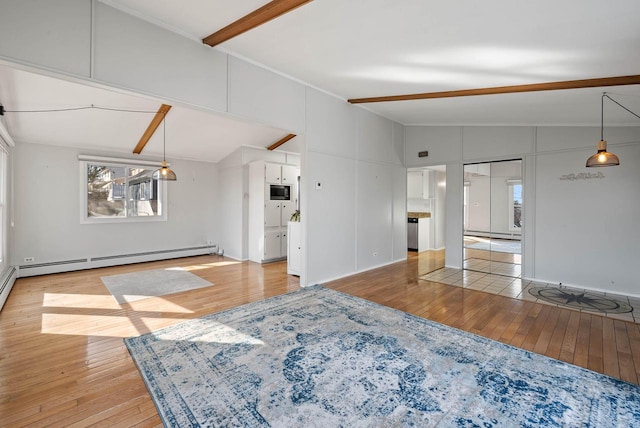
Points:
x=7 y=280
x=111 y=260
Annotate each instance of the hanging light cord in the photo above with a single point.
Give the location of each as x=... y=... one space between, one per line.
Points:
x=164 y=137
x=78 y=108
x=604 y=94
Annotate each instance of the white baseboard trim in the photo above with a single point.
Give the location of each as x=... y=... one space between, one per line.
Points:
x=323 y=281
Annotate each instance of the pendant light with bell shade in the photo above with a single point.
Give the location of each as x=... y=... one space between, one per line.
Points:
x=164 y=173
x=602 y=157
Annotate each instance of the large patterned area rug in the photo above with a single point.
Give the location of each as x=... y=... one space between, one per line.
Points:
x=129 y=287
x=320 y=358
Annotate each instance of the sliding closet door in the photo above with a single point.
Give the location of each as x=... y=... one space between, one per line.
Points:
x=493 y=217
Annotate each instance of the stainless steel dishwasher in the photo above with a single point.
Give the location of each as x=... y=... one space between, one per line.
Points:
x=412 y=233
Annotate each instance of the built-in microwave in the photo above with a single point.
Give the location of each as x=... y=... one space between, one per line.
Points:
x=280 y=192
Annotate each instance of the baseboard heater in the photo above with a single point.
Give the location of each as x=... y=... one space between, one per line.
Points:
x=113 y=260
x=6 y=284
x=147 y=253
x=514 y=236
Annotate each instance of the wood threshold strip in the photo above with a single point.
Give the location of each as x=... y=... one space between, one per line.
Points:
x=281 y=142
x=256 y=18
x=155 y=122
x=535 y=87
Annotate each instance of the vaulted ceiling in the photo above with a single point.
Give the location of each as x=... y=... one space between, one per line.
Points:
x=366 y=48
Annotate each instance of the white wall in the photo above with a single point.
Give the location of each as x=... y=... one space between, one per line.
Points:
x=577 y=232
x=265 y=96
x=47 y=210
x=586 y=232
x=55 y=35
x=232 y=206
x=357 y=221
x=134 y=54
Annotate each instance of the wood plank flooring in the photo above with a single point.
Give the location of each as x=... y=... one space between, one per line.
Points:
x=63 y=362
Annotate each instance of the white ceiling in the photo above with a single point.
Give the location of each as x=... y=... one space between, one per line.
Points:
x=363 y=48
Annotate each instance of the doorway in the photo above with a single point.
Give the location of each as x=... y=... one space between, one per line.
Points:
x=493 y=219
x=426 y=194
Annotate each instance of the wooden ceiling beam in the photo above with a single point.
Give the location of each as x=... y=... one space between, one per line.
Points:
x=151 y=129
x=256 y=18
x=281 y=142
x=535 y=87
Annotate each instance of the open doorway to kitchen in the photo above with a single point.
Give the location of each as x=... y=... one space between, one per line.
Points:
x=493 y=219
x=426 y=192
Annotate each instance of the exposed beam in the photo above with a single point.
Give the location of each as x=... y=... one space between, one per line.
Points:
x=258 y=17
x=155 y=122
x=551 y=86
x=281 y=142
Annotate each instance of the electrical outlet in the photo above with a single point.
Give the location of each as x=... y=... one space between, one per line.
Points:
x=375 y=254
x=209 y=242
x=29 y=259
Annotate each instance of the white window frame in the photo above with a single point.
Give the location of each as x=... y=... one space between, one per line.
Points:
x=510 y=184
x=126 y=163
x=4 y=165
x=465 y=203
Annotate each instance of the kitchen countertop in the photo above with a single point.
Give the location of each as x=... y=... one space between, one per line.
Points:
x=414 y=214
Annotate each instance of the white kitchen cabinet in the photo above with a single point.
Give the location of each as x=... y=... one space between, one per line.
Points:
x=421 y=184
x=294 y=252
x=281 y=174
x=273 y=173
x=268 y=218
x=288 y=208
x=290 y=175
x=275 y=244
x=272 y=213
x=414 y=185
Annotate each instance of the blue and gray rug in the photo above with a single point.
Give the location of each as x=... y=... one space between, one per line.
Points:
x=320 y=358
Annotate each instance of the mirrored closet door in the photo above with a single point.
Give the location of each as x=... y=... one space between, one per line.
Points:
x=493 y=217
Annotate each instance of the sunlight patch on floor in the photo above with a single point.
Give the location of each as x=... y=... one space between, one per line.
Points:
x=102 y=325
x=158 y=304
x=88 y=301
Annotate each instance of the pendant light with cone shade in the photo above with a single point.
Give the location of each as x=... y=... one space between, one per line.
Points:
x=164 y=173
x=602 y=157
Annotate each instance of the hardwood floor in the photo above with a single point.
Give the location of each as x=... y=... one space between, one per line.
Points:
x=63 y=362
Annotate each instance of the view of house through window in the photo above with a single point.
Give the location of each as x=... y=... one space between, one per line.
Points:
x=122 y=191
x=515 y=205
